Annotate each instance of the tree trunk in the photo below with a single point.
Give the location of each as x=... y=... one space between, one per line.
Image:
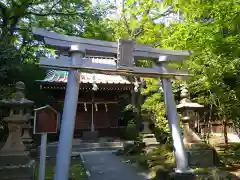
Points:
x=136 y=104
x=135 y=109
x=138 y=112
x=209 y=124
x=225 y=131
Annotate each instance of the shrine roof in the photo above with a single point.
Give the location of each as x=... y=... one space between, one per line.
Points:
x=189 y=105
x=186 y=103
x=62 y=77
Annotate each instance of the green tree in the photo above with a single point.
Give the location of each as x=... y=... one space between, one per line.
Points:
x=210 y=30
x=141 y=21
x=18 y=47
x=19 y=51
x=138 y=21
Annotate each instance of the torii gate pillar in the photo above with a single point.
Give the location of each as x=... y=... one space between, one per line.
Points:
x=174 y=126
x=68 y=118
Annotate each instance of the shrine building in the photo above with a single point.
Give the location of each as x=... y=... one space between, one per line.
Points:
x=100 y=100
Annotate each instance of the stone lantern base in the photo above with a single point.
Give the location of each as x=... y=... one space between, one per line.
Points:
x=90 y=136
x=200 y=155
x=15 y=162
x=146 y=129
x=21 y=167
x=149 y=138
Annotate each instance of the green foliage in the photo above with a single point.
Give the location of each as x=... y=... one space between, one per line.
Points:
x=210 y=29
x=206 y=173
x=76 y=171
x=9 y=59
x=159 y=158
x=230 y=155
x=161 y=153
x=137 y=21
x=154 y=106
x=19 y=50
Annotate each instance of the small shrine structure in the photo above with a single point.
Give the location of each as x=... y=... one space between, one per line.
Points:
x=99 y=101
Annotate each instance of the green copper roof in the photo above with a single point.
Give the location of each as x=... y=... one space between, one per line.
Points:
x=62 y=76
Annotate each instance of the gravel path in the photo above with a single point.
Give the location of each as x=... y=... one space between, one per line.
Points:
x=104 y=165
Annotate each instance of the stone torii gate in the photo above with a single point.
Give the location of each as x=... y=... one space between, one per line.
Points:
x=126 y=52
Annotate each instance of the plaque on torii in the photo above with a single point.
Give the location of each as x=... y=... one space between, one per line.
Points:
x=125 y=54
x=72 y=51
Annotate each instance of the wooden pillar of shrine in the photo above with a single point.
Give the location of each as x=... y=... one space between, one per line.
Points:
x=137 y=102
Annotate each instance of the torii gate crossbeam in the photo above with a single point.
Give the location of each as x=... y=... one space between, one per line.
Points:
x=77 y=47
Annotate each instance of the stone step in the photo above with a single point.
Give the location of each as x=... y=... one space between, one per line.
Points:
x=93 y=145
x=148 y=135
x=18 y=172
x=51 y=153
x=150 y=139
x=97 y=149
x=83 y=147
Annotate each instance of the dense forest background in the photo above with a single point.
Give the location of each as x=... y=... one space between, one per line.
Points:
x=210 y=29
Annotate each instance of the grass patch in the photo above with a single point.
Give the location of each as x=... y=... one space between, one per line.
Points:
x=207 y=173
x=230 y=155
x=163 y=158
x=76 y=171
x=159 y=158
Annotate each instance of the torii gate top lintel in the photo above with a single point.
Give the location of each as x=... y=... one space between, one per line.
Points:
x=98 y=47
x=125 y=51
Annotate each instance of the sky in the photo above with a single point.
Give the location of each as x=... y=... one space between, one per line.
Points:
x=116 y=2
x=165 y=20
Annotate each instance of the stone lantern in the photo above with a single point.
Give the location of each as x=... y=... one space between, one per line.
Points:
x=187 y=109
x=196 y=149
x=14 y=160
